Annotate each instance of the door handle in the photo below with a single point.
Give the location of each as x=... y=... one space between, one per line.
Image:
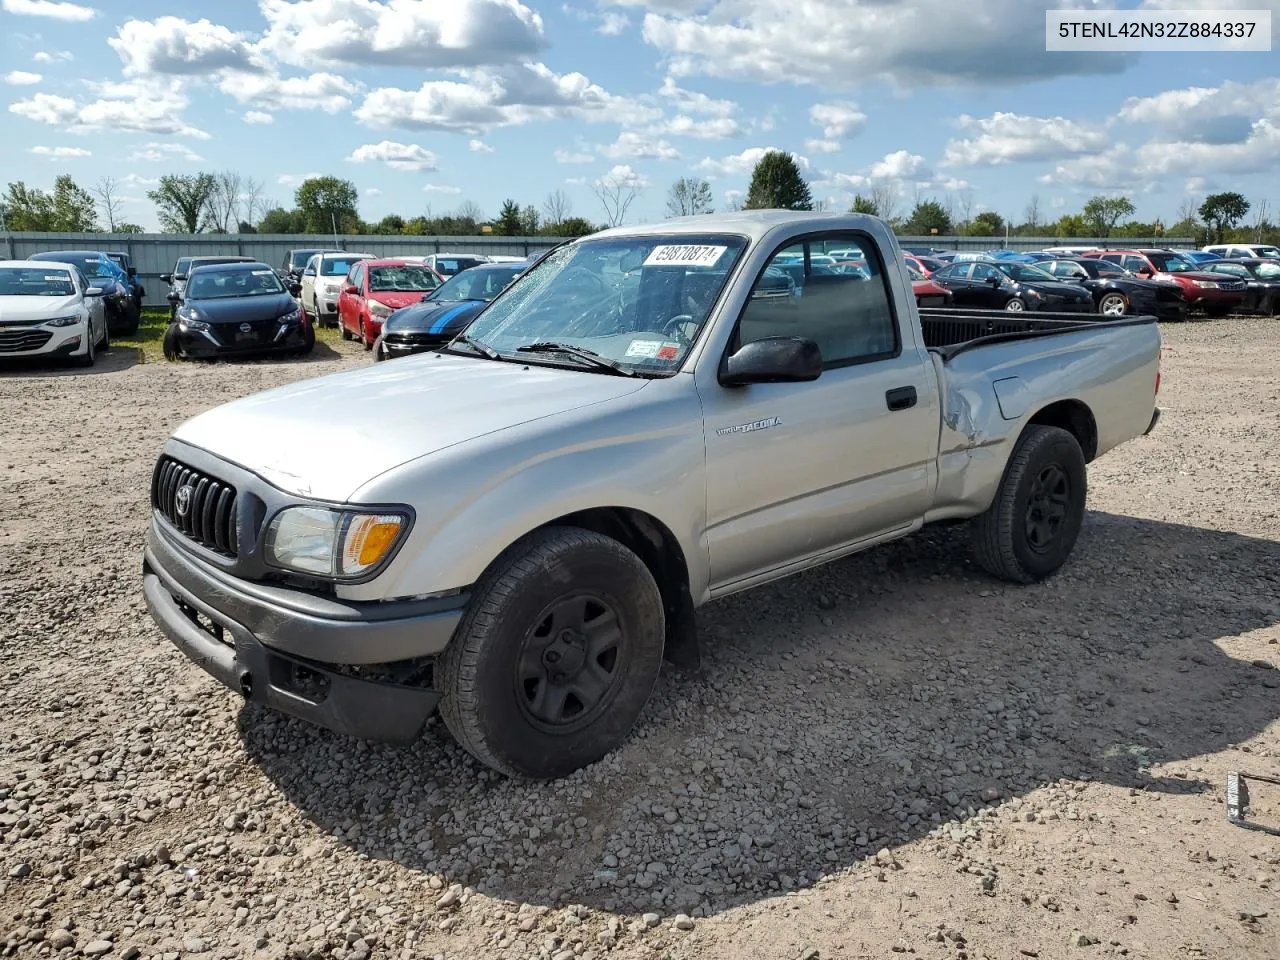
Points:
x=900 y=398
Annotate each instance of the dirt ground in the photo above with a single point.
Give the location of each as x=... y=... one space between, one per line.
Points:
x=893 y=755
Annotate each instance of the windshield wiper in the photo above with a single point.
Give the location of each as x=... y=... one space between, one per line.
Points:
x=478 y=345
x=578 y=353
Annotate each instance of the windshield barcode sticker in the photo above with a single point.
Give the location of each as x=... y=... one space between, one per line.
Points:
x=684 y=255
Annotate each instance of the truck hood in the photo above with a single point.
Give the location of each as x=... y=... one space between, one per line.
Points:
x=32 y=310
x=387 y=415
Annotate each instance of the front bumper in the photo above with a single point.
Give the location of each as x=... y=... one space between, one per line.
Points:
x=45 y=342
x=359 y=669
x=195 y=344
x=403 y=348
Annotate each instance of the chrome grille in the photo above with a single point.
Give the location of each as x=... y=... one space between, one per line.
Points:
x=208 y=514
x=12 y=341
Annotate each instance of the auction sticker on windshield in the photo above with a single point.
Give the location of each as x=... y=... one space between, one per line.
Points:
x=684 y=255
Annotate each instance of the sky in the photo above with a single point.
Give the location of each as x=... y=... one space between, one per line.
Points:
x=424 y=104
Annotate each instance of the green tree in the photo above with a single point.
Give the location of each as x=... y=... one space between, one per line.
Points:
x=688 y=197
x=391 y=223
x=992 y=221
x=328 y=205
x=508 y=222
x=68 y=208
x=1071 y=225
x=74 y=209
x=865 y=205
x=27 y=208
x=182 y=202
x=776 y=184
x=1102 y=213
x=571 y=227
x=929 y=216
x=529 y=221
x=1222 y=211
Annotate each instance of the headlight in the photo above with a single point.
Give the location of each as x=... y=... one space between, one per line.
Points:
x=380 y=310
x=1206 y=284
x=64 y=321
x=189 y=320
x=336 y=544
x=293 y=316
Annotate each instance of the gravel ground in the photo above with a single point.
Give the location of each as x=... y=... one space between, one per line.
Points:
x=890 y=755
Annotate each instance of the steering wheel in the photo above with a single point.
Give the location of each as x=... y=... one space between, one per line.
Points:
x=675 y=327
x=574 y=277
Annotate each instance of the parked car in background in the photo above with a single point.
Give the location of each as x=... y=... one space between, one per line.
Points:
x=178 y=281
x=51 y=310
x=522 y=525
x=125 y=262
x=1071 y=251
x=374 y=289
x=1213 y=293
x=1011 y=286
x=444 y=313
x=928 y=293
x=448 y=264
x=1247 y=251
x=1261 y=279
x=923 y=265
x=321 y=283
x=502 y=258
x=1199 y=256
x=103 y=274
x=236 y=308
x=295 y=261
x=1116 y=292
x=172 y=280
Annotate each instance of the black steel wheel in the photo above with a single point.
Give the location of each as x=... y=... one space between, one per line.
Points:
x=1031 y=527
x=557 y=655
x=170 y=343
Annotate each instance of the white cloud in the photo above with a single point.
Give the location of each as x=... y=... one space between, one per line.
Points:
x=294 y=179
x=1257 y=153
x=1110 y=169
x=573 y=156
x=319 y=91
x=56 y=56
x=479 y=146
x=612 y=24
x=397 y=156
x=157 y=152
x=133 y=180
x=838 y=44
x=842 y=181
x=576 y=181
x=20 y=78
x=823 y=146
x=1224 y=114
x=124 y=107
x=837 y=120
x=733 y=197
x=1012 y=138
x=897 y=166
x=258 y=117
x=739 y=164
x=632 y=144
x=170 y=45
x=701 y=128
x=439 y=188
x=408 y=33
x=371 y=192
x=689 y=101
x=60 y=153
x=623 y=176
x=508 y=96
x=54 y=10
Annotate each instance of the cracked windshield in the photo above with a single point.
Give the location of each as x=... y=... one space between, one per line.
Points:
x=639 y=302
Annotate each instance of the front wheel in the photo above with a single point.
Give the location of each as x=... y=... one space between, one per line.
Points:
x=378 y=353
x=89 y=356
x=1016 y=305
x=1030 y=528
x=170 y=343
x=557 y=655
x=1113 y=305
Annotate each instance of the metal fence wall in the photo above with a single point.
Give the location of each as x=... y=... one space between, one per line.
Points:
x=156 y=253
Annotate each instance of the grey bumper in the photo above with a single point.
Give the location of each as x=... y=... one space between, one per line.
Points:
x=288 y=650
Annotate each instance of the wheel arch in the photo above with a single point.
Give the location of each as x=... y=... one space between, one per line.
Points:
x=1075 y=417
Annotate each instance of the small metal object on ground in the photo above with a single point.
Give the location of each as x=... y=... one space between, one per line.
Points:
x=1238 y=805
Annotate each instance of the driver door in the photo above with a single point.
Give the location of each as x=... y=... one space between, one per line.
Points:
x=309 y=280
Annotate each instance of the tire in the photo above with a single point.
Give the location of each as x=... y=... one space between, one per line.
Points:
x=1019 y=538
x=132 y=328
x=1015 y=305
x=308 y=342
x=105 y=343
x=170 y=343
x=364 y=337
x=501 y=667
x=342 y=328
x=378 y=355
x=90 y=351
x=1113 y=305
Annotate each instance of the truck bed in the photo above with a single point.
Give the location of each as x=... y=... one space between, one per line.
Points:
x=948 y=332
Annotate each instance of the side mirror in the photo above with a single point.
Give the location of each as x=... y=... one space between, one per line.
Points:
x=295 y=288
x=1143 y=274
x=173 y=298
x=308 y=273
x=994 y=281
x=350 y=288
x=133 y=272
x=773 y=360
x=95 y=292
x=166 y=278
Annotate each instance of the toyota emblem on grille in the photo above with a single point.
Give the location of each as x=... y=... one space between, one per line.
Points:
x=182 y=502
x=246 y=327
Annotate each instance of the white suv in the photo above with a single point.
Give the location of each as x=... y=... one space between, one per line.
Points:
x=1229 y=251
x=322 y=281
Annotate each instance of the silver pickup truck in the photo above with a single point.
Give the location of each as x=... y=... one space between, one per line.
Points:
x=648 y=419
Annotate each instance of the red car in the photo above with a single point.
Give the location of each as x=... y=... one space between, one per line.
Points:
x=1215 y=294
x=923 y=265
x=928 y=293
x=374 y=289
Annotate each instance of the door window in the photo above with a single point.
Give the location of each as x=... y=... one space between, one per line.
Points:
x=983 y=272
x=845 y=311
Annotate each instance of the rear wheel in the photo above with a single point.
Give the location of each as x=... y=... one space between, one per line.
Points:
x=1031 y=527
x=1113 y=305
x=342 y=326
x=557 y=655
x=364 y=336
x=1016 y=305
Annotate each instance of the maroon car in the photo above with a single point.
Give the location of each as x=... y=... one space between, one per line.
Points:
x=1215 y=294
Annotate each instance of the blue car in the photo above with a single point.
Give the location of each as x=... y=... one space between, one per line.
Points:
x=1200 y=256
x=444 y=312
